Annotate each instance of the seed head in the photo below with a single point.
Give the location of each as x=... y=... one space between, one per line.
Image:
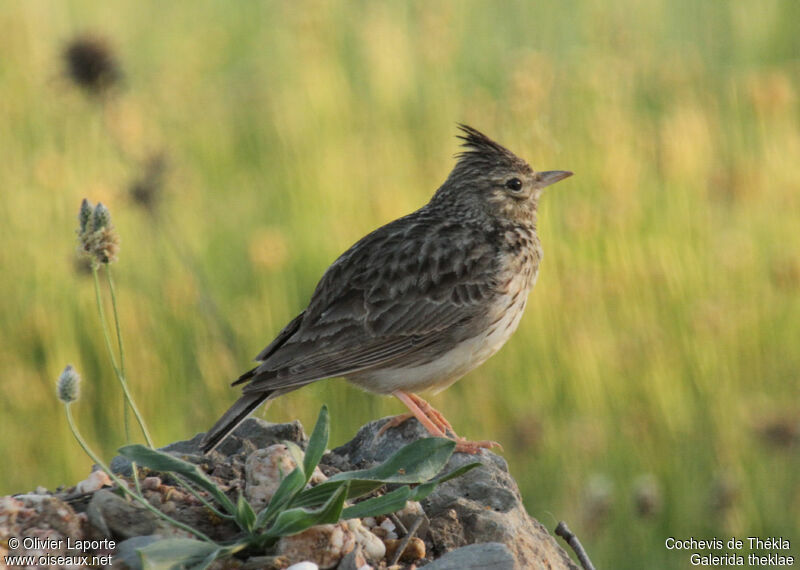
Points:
x=68 y=385
x=96 y=234
x=647 y=495
x=91 y=64
x=84 y=215
x=598 y=499
x=101 y=217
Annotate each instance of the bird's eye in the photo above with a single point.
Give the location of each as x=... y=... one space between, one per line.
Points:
x=514 y=184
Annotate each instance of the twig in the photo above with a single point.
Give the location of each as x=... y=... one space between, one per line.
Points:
x=398 y=523
x=563 y=531
x=406 y=539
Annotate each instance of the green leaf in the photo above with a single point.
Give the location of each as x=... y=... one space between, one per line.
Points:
x=174 y=553
x=292 y=521
x=416 y=462
x=245 y=516
x=296 y=452
x=160 y=461
x=320 y=493
x=128 y=551
x=317 y=443
x=388 y=503
x=421 y=491
x=290 y=486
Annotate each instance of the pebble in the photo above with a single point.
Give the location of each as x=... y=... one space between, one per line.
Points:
x=305 y=565
x=324 y=544
x=372 y=546
x=96 y=480
x=414 y=551
x=265 y=469
x=388 y=526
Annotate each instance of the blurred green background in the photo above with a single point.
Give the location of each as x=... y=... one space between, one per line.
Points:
x=653 y=388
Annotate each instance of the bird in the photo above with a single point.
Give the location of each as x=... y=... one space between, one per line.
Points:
x=419 y=302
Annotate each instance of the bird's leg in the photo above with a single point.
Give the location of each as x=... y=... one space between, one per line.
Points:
x=435 y=415
x=417 y=412
x=434 y=422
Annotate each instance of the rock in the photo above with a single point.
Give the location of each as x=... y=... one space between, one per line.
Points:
x=262 y=434
x=118 y=518
x=492 y=555
x=252 y=434
x=96 y=480
x=303 y=566
x=373 y=548
x=486 y=501
x=324 y=545
x=474 y=521
x=264 y=470
x=447 y=532
x=354 y=560
x=43 y=519
x=414 y=550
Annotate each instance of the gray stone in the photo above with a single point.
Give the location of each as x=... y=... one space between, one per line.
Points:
x=262 y=434
x=476 y=557
x=483 y=505
x=121 y=519
x=253 y=433
x=475 y=521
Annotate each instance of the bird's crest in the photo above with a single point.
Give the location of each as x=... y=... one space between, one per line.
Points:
x=482 y=149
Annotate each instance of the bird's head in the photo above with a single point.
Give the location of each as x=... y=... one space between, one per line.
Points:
x=490 y=176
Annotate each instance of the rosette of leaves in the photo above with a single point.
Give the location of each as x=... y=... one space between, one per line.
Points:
x=416 y=468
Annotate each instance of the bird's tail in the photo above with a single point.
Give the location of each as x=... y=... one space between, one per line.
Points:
x=231 y=419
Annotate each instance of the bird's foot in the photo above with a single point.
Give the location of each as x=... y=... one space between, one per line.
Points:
x=474 y=447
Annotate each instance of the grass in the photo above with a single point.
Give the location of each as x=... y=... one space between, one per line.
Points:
x=661 y=338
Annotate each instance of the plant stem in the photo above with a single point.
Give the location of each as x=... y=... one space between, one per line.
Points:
x=186 y=485
x=117 y=370
x=122 y=485
x=125 y=403
x=103 y=321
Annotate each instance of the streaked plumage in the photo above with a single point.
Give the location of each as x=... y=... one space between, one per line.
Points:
x=421 y=301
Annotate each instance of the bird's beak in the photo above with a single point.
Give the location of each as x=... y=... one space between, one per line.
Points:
x=551 y=177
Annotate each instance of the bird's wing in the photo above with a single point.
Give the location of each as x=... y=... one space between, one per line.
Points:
x=405 y=293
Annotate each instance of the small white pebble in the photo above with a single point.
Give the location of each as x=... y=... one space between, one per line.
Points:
x=303 y=566
x=96 y=480
x=389 y=527
x=369 y=522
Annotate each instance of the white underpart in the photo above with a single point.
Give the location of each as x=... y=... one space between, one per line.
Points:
x=445 y=370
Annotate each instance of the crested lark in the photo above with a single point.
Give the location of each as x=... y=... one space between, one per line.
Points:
x=419 y=302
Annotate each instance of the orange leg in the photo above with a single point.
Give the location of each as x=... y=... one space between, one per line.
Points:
x=434 y=414
x=434 y=422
